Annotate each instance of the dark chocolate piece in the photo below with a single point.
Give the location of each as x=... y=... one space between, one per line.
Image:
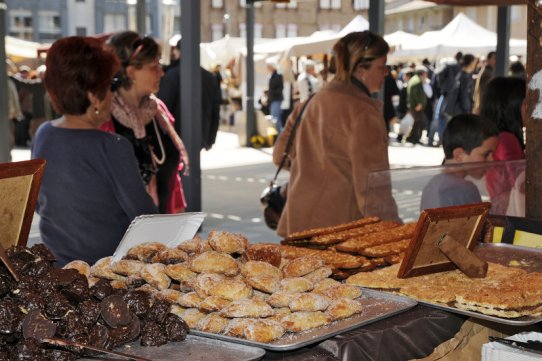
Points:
x=28 y=349
x=98 y=336
x=56 y=306
x=139 y=302
x=101 y=289
x=42 y=252
x=36 y=326
x=71 y=325
x=115 y=312
x=10 y=316
x=158 y=312
x=59 y=355
x=176 y=328
x=88 y=311
x=152 y=334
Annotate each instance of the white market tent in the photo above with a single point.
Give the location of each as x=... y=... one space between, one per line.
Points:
x=461 y=34
x=400 y=38
x=19 y=49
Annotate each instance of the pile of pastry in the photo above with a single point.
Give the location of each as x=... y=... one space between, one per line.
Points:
x=223 y=285
x=372 y=241
x=506 y=292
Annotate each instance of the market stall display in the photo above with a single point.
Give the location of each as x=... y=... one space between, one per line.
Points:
x=224 y=288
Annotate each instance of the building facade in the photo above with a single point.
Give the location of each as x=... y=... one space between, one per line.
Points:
x=47 y=20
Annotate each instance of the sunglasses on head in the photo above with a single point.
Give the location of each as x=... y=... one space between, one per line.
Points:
x=138 y=45
x=115 y=84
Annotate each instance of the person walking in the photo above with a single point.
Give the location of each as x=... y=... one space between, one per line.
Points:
x=275 y=88
x=417 y=101
x=340 y=139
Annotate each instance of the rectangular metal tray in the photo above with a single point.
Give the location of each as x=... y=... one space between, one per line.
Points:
x=376 y=306
x=527 y=258
x=193 y=348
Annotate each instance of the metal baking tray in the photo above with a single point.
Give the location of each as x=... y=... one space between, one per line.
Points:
x=193 y=348
x=526 y=258
x=376 y=306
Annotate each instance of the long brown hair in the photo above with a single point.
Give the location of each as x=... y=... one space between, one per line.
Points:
x=357 y=48
x=133 y=49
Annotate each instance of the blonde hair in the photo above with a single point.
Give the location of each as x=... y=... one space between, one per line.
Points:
x=357 y=48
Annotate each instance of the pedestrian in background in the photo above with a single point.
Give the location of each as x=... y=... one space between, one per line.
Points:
x=275 y=88
x=307 y=81
x=417 y=101
x=340 y=139
x=485 y=75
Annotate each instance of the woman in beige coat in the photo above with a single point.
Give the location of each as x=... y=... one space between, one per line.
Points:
x=340 y=139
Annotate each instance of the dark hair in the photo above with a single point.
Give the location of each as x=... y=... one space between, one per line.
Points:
x=467 y=60
x=491 y=54
x=135 y=50
x=502 y=102
x=466 y=131
x=357 y=48
x=77 y=65
x=517 y=69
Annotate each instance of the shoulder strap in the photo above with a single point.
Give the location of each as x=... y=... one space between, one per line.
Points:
x=290 y=140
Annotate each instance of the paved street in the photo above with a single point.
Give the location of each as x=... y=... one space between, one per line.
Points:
x=233 y=178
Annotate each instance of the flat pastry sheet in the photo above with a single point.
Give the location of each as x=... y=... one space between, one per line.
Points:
x=529 y=259
x=376 y=306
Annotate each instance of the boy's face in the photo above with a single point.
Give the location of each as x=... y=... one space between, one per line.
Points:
x=482 y=153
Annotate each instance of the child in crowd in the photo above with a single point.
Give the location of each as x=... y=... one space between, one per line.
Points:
x=467 y=138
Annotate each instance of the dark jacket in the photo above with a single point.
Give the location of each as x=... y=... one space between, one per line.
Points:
x=170 y=94
x=276 y=84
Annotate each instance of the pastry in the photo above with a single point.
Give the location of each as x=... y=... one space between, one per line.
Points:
x=301 y=266
x=191 y=246
x=189 y=300
x=259 y=268
x=266 y=284
x=319 y=274
x=191 y=316
x=325 y=284
x=170 y=256
x=341 y=291
x=226 y=242
x=264 y=252
x=155 y=275
x=281 y=299
x=386 y=249
x=296 y=236
x=214 y=262
x=263 y=330
x=357 y=244
x=309 y=302
x=180 y=272
x=343 y=308
x=247 y=308
x=213 y=304
x=145 y=251
x=205 y=281
x=102 y=269
x=231 y=289
x=213 y=323
x=127 y=267
x=337 y=237
x=302 y=321
x=296 y=284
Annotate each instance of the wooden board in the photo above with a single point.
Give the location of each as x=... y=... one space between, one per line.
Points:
x=19 y=189
x=463 y=223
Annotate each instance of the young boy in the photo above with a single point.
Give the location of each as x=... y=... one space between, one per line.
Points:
x=467 y=138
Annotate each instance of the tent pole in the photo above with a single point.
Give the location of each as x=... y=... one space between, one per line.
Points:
x=533 y=123
x=5 y=154
x=376 y=16
x=251 y=114
x=503 y=40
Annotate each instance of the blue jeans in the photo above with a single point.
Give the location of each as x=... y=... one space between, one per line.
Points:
x=276 y=112
x=438 y=124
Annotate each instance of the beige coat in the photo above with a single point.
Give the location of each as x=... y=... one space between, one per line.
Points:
x=342 y=136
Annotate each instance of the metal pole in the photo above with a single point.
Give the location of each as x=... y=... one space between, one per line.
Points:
x=141 y=12
x=191 y=99
x=376 y=16
x=5 y=154
x=251 y=114
x=503 y=39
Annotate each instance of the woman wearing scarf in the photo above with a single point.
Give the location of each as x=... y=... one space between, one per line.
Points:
x=142 y=118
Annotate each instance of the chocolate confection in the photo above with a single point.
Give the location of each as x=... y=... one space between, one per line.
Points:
x=42 y=252
x=158 y=312
x=36 y=326
x=98 y=336
x=10 y=316
x=139 y=302
x=152 y=334
x=176 y=328
x=115 y=312
x=56 y=306
x=88 y=312
x=101 y=289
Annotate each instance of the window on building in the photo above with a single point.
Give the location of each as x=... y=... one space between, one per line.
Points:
x=410 y=25
x=243 y=3
x=242 y=30
x=360 y=4
x=114 y=22
x=20 y=24
x=291 y=5
x=325 y=4
x=258 y=31
x=217 y=4
x=49 y=25
x=280 y=31
x=291 y=30
x=81 y=31
x=335 y=4
x=217 y=31
x=400 y=24
x=471 y=13
x=421 y=23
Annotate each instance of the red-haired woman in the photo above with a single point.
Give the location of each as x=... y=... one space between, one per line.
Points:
x=91 y=188
x=144 y=120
